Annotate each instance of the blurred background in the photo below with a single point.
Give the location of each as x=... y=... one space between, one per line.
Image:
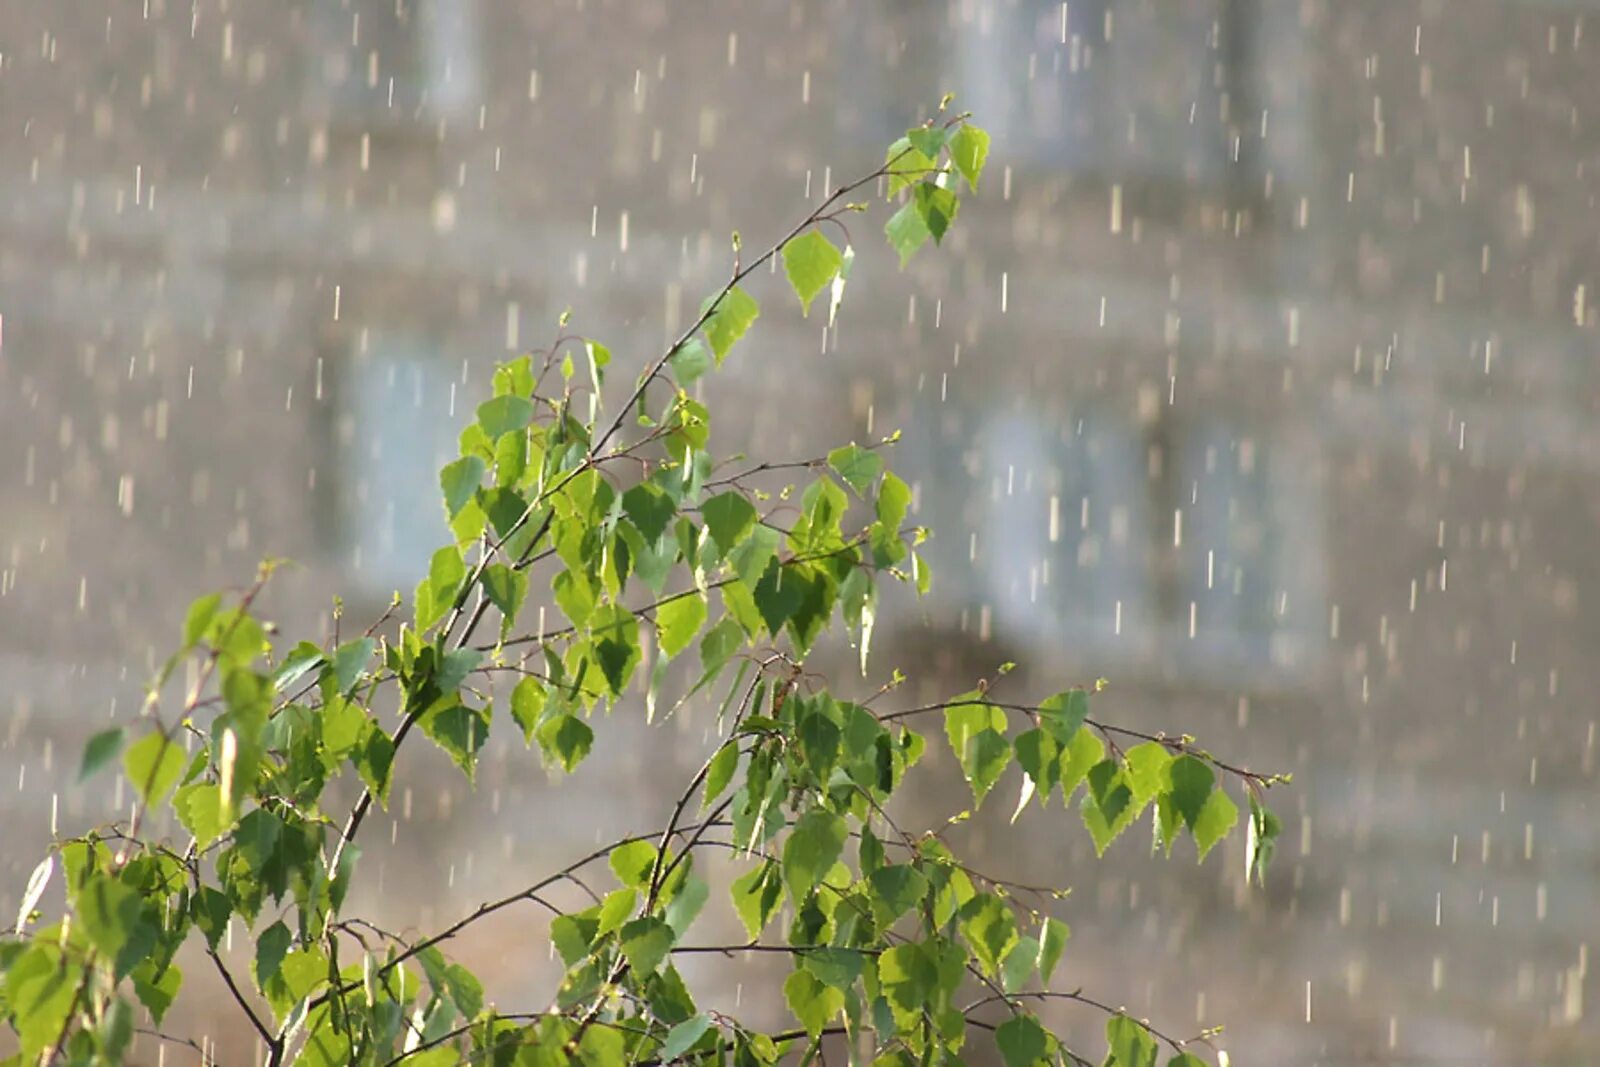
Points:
x=1260 y=379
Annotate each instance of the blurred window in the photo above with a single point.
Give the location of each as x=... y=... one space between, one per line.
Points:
x=396 y=402
x=381 y=61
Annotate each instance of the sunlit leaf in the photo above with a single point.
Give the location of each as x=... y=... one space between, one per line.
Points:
x=811 y=261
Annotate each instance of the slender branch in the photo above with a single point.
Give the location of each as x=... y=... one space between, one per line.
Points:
x=1183 y=745
x=1076 y=996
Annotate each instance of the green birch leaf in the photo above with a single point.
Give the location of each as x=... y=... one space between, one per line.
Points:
x=905 y=164
x=348 y=661
x=756 y=896
x=682 y=1038
x=678 y=621
x=1019 y=963
x=857 y=466
x=460 y=481
x=102 y=748
x=1021 y=1040
x=528 y=701
x=720 y=773
x=811 y=261
x=1129 y=1044
x=646 y=942
x=1217 y=817
x=813 y=847
x=893 y=891
x=505 y=414
x=733 y=315
x=937 y=208
x=632 y=863
x=153 y=765
x=566 y=739
x=1192 y=782
x=271 y=946
x=690 y=362
x=906 y=231
x=728 y=517
x=1052 y=942
x=506 y=589
x=1063 y=713
x=813 y=1003
x=969 y=149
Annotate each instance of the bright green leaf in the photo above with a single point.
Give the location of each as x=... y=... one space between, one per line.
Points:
x=460 y=481
x=733 y=315
x=153 y=765
x=813 y=1003
x=646 y=942
x=678 y=621
x=1129 y=1044
x=632 y=863
x=969 y=149
x=811 y=261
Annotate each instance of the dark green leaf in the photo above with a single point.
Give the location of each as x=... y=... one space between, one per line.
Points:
x=777 y=596
x=102 y=748
x=937 y=208
x=271 y=946
x=1192 y=781
x=729 y=517
x=1022 y=1041
x=649 y=509
x=566 y=739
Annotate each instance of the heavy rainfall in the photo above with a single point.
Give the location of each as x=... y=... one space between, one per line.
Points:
x=1259 y=379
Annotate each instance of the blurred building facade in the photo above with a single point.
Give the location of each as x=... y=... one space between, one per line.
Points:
x=1258 y=379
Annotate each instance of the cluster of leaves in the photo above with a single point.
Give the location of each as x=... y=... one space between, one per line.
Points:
x=654 y=554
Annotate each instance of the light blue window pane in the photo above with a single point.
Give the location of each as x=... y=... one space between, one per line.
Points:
x=403 y=433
